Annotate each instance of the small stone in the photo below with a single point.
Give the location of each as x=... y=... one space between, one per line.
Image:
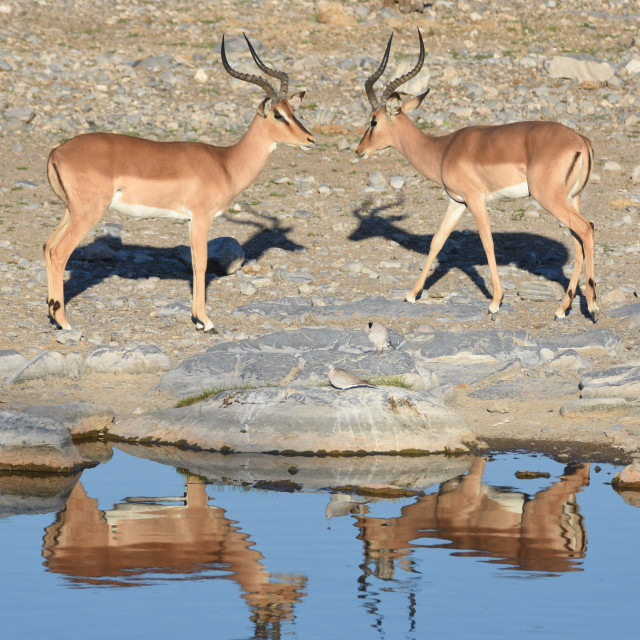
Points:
x=20 y=114
x=397 y=182
x=611 y=165
x=635 y=175
x=352 y=267
x=377 y=181
x=201 y=76
x=248 y=289
x=69 y=336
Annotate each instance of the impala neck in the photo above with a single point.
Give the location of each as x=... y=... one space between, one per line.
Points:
x=423 y=151
x=247 y=158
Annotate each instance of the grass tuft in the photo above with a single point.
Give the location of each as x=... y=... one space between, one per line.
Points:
x=199 y=397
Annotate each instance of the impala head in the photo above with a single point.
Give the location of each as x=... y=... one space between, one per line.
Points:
x=277 y=108
x=387 y=111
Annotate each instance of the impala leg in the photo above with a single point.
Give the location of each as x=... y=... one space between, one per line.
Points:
x=450 y=220
x=582 y=231
x=479 y=211
x=73 y=227
x=578 y=261
x=199 y=233
x=55 y=290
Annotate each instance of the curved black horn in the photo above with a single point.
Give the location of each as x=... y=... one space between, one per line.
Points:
x=247 y=77
x=371 y=80
x=280 y=75
x=392 y=86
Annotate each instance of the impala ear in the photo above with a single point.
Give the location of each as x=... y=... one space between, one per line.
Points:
x=296 y=99
x=414 y=103
x=264 y=107
x=393 y=104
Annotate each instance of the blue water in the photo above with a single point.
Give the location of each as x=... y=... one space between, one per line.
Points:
x=478 y=555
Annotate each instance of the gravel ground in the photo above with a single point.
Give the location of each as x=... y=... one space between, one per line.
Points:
x=360 y=228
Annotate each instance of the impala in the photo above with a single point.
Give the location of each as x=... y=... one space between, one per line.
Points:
x=477 y=164
x=185 y=180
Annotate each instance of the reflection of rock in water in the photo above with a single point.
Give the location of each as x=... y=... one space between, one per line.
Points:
x=542 y=533
x=129 y=544
x=372 y=473
x=26 y=494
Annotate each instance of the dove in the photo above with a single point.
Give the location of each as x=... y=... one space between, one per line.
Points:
x=341 y=379
x=378 y=334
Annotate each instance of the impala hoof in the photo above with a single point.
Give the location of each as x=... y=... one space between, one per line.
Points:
x=560 y=314
x=595 y=314
x=410 y=297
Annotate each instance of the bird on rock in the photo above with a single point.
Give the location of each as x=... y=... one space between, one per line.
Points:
x=378 y=334
x=341 y=379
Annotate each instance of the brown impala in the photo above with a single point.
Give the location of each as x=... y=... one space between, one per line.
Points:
x=186 y=180
x=545 y=160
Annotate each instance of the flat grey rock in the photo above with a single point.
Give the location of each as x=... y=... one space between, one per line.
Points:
x=374 y=473
x=36 y=443
x=622 y=381
x=625 y=311
x=597 y=340
x=382 y=420
x=280 y=358
x=455 y=309
x=528 y=389
x=129 y=359
x=475 y=347
x=582 y=407
x=81 y=418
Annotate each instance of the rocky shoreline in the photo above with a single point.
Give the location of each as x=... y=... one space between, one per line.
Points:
x=323 y=242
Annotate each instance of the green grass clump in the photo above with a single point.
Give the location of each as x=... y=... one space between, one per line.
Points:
x=199 y=397
x=391 y=381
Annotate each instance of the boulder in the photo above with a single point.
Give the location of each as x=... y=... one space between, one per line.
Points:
x=305 y=419
x=621 y=381
x=225 y=255
x=145 y=358
x=83 y=419
x=36 y=443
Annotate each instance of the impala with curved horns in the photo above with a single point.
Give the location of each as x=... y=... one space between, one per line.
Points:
x=186 y=180
x=545 y=160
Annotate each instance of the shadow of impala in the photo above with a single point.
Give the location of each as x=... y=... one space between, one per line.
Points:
x=539 y=255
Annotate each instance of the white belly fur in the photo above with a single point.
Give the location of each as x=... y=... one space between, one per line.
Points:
x=143 y=211
x=515 y=191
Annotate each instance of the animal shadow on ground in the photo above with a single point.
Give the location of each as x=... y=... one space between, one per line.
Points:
x=134 y=261
x=539 y=255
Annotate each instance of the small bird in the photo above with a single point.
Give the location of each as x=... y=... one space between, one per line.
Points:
x=378 y=334
x=341 y=379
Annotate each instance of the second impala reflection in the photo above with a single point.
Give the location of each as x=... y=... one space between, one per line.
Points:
x=544 y=532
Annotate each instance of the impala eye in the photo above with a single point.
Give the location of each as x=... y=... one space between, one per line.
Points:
x=277 y=115
x=374 y=123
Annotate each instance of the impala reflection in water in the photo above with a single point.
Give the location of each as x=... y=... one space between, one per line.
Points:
x=127 y=545
x=142 y=539
x=542 y=533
